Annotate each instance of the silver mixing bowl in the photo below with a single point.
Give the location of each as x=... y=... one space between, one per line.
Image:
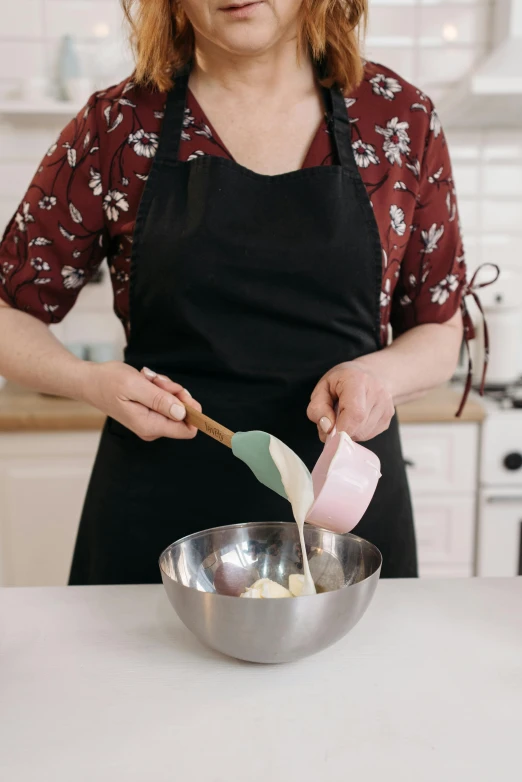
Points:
x=204 y=573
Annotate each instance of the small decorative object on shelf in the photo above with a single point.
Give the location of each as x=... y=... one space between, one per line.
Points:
x=68 y=66
x=72 y=84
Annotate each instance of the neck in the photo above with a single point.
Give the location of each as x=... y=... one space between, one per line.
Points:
x=275 y=71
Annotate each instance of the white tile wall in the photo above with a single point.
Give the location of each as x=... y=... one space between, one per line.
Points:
x=84 y=18
x=437 y=40
x=23 y=57
x=14 y=178
x=23 y=19
x=440 y=24
x=431 y=42
x=503 y=180
x=25 y=142
x=488 y=175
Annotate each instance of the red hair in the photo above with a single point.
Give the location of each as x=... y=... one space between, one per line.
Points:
x=163 y=39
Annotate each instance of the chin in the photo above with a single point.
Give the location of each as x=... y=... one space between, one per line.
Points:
x=247 y=46
x=247 y=39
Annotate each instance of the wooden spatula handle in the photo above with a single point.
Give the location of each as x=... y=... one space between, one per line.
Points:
x=208 y=426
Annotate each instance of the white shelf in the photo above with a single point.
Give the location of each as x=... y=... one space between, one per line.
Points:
x=45 y=108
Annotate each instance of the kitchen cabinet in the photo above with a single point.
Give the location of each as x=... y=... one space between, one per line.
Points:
x=442 y=465
x=43 y=479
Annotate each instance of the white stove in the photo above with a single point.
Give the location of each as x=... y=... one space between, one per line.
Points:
x=499 y=543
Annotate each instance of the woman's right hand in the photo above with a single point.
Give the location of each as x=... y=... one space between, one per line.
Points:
x=150 y=405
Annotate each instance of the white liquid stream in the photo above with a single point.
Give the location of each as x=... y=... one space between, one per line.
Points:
x=299 y=489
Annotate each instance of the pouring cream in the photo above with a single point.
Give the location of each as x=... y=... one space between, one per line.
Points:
x=297 y=483
x=300 y=491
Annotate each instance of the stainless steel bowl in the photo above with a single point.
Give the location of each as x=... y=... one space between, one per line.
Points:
x=203 y=574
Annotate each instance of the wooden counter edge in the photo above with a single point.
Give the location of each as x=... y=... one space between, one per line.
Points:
x=23 y=411
x=29 y=422
x=440 y=406
x=27 y=411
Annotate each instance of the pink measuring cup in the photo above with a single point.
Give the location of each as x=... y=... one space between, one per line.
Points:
x=345 y=478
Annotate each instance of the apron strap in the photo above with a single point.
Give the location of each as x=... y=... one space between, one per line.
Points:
x=170 y=138
x=339 y=124
x=172 y=128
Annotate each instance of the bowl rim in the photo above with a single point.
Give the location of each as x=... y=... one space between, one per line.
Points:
x=242 y=525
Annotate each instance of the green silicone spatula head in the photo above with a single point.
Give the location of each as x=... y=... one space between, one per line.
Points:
x=253 y=448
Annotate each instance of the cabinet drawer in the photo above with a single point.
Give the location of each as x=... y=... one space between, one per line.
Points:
x=441 y=457
x=445 y=533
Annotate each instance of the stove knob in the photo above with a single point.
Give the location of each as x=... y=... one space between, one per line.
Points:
x=513 y=461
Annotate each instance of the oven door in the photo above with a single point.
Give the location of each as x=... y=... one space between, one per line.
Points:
x=499 y=543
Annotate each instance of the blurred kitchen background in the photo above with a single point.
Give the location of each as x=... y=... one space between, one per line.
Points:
x=466 y=475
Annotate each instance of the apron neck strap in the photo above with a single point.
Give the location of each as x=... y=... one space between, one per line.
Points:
x=172 y=128
x=338 y=121
x=339 y=125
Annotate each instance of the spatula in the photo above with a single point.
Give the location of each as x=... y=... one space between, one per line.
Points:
x=253 y=448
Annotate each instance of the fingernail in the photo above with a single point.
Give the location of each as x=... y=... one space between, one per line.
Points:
x=163 y=377
x=187 y=391
x=177 y=412
x=325 y=424
x=149 y=373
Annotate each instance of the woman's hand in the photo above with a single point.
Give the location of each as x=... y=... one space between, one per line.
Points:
x=367 y=389
x=148 y=404
x=365 y=402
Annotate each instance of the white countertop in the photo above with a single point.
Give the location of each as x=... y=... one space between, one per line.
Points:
x=102 y=684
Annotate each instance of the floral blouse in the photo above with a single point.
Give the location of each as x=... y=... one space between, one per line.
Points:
x=81 y=206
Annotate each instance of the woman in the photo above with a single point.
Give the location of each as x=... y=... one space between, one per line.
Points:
x=270 y=208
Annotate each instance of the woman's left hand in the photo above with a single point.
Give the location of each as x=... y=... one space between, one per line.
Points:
x=364 y=401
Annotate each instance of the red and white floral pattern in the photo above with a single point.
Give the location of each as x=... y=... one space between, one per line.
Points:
x=82 y=203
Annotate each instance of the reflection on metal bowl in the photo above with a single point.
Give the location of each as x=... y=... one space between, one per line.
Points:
x=205 y=573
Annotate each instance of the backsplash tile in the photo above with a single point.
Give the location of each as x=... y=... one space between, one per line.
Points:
x=24 y=57
x=444 y=23
x=467 y=178
x=449 y=65
x=83 y=18
x=14 y=179
x=22 y=142
x=22 y=19
x=503 y=180
x=501 y=214
x=469 y=215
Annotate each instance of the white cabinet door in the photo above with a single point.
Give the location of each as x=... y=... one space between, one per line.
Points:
x=445 y=529
x=500 y=534
x=442 y=461
x=441 y=457
x=43 y=480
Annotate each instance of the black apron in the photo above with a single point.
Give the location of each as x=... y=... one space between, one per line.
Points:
x=245 y=289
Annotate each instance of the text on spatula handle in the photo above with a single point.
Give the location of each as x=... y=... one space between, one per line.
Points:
x=208 y=426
